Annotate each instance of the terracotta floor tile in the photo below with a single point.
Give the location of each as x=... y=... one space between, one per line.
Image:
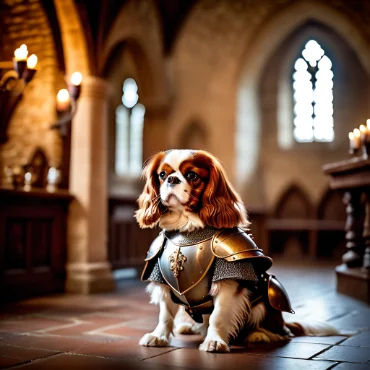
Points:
x=346 y=354
x=79 y=362
x=20 y=353
x=124 y=349
x=125 y=331
x=348 y=366
x=359 y=340
x=319 y=340
x=7 y=362
x=355 y=320
x=48 y=342
x=289 y=349
x=28 y=324
x=195 y=359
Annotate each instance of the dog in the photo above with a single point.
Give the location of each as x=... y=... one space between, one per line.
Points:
x=205 y=262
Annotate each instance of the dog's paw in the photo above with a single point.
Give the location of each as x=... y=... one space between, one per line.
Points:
x=211 y=345
x=185 y=328
x=258 y=337
x=150 y=340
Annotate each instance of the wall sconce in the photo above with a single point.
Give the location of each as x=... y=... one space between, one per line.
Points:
x=15 y=76
x=66 y=107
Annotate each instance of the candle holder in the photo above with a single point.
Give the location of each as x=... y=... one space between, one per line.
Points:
x=365 y=141
x=353 y=151
x=65 y=115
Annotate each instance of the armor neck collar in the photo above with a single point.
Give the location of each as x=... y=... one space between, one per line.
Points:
x=190 y=238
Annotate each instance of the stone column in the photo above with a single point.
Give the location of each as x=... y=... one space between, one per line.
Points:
x=88 y=270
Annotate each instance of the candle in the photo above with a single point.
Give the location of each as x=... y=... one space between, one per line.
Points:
x=21 y=53
x=76 y=78
x=356 y=138
x=63 y=100
x=32 y=61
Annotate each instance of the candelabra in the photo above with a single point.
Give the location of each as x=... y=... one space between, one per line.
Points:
x=14 y=77
x=66 y=107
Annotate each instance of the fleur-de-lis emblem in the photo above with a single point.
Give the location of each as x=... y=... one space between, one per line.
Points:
x=177 y=260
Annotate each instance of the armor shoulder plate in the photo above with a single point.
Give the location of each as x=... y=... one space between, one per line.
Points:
x=277 y=295
x=235 y=244
x=155 y=247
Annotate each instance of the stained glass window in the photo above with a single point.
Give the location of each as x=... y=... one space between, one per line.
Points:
x=313 y=95
x=129 y=132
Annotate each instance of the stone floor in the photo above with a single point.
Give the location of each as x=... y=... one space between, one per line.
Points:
x=102 y=331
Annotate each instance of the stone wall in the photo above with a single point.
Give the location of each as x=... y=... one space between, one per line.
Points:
x=207 y=70
x=24 y=21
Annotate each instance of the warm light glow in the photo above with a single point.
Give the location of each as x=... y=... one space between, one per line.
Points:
x=351 y=136
x=363 y=128
x=76 y=78
x=21 y=53
x=32 y=61
x=368 y=123
x=357 y=132
x=63 y=100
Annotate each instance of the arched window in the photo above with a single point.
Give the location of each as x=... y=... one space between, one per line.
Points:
x=129 y=132
x=313 y=95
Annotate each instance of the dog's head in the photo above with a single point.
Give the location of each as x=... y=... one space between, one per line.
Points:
x=186 y=190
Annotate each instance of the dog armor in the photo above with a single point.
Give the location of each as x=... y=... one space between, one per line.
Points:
x=190 y=262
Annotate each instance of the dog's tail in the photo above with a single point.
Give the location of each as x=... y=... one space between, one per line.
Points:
x=311 y=328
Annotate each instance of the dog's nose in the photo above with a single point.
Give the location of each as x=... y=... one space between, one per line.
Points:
x=173 y=180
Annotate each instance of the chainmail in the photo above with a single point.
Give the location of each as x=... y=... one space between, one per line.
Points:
x=183 y=239
x=236 y=270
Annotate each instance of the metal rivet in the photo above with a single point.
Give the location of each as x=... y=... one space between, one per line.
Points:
x=216 y=241
x=200 y=248
x=201 y=272
x=234 y=257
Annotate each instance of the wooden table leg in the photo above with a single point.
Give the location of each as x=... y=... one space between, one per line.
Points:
x=354 y=229
x=366 y=236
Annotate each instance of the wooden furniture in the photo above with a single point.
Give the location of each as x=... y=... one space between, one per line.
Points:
x=128 y=244
x=352 y=176
x=317 y=229
x=32 y=242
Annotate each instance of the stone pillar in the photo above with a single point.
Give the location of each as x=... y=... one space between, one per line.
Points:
x=88 y=270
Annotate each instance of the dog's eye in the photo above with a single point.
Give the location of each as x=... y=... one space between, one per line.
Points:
x=162 y=175
x=191 y=176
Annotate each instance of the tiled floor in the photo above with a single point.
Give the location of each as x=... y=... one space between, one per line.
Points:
x=102 y=331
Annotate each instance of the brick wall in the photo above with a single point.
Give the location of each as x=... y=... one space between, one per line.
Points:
x=24 y=21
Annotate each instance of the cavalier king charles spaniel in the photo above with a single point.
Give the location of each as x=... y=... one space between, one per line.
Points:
x=187 y=192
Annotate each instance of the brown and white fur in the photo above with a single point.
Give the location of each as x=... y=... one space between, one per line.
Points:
x=186 y=190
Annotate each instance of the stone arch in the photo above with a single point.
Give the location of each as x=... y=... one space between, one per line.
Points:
x=73 y=39
x=276 y=30
x=138 y=26
x=294 y=203
x=193 y=135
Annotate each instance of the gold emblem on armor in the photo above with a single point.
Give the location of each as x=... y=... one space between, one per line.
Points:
x=177 y=260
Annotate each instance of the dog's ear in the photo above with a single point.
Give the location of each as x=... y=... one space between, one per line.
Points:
x=150 y=207
x=221 y=205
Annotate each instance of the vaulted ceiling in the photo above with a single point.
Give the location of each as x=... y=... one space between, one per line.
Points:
x=98 y=16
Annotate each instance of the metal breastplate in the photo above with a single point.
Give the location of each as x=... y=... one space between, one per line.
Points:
x=186 y=263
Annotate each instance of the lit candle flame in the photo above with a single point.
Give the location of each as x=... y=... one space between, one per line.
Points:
x=76 y=78
x=368 y=123
x=21 y=53
x=351 y=135
x=32 y=61
x=63 y=100
x=363 y=128
x=63 y=95
x=357 y=132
